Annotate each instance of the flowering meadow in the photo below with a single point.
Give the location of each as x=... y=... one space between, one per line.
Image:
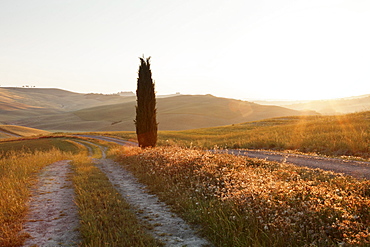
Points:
x=239 y=201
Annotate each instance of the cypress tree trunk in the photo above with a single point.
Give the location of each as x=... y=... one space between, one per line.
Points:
x=146 y=113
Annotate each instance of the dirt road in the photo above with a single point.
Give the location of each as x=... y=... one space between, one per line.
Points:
x=9 y=133
x=53 y=216
x=357 y=169
x=111 y=139
x=165 y=225
x=52 y=219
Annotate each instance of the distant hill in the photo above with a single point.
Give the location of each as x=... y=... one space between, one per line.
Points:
x=60 y=110
x=54 y=99
x=334 y=106
x=7 y=131
x=186 y=112
x=19 y=103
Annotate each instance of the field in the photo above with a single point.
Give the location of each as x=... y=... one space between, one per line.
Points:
x=233 y=201
x=59 y=110
x=99 y=203
x=106 y=218
x=342 y=135
x=22 y=131
x=245 y=202
x=17 y=173
x=33 y=145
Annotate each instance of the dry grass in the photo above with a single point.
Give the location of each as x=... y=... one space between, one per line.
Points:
x=246 y=202
x=43 y=144
x=17 y=174
x=23 y=131
x=3 y=135
x=343 y=135
x=106 y=218
x=329 y=135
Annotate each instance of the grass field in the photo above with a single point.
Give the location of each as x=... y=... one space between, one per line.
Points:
x=329 y=135
x=245 y=202
x=237 y=201
x=44 y=144
x=22 y=131
x=3 y=135
x=20 y=161
x=17 y=174
x=106 y=218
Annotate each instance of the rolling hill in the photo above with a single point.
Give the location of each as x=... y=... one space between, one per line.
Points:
x=336 y=106
x=40 y=101
x=7 y=131
x=60 y=110
x=186 y=112
x=333 y=106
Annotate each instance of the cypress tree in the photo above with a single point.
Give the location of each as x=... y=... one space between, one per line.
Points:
x=146 y=112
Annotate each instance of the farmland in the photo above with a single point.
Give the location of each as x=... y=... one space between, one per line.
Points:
x=232 y=200
x=340 y=135
x=248 y=202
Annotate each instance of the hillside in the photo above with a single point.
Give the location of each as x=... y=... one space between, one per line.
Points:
x=7 y=131
x=60 y=110
x=347 y=134
x=186 y=112
x=334 y=106
x=174 y=113
x=20 y=103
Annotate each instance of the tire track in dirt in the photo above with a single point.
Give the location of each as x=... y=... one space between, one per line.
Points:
x=52 y=219
x=111 y=139
x=9 y=133
x=357 y=169
x=165 y=225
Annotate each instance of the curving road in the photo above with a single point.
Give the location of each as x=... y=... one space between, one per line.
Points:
x=111 y=139
x=357 y=169
x=9 y=133
x=165 y=225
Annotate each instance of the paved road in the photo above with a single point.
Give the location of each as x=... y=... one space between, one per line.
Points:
x=357 y=169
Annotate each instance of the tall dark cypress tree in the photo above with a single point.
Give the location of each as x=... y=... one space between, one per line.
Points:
x=146 y=112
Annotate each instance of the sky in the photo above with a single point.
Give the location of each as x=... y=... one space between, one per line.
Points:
x=243 y=49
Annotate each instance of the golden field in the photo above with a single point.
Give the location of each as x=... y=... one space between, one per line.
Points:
x=338 y=135
x=247 y=202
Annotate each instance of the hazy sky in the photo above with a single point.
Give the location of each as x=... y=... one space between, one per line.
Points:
x=245 y=49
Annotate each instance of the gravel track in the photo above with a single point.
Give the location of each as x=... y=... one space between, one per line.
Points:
x=111 y=139
x=52 y=219
x=9 y=133
x=53 y=216
x=165 y=225
x=357 y=169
